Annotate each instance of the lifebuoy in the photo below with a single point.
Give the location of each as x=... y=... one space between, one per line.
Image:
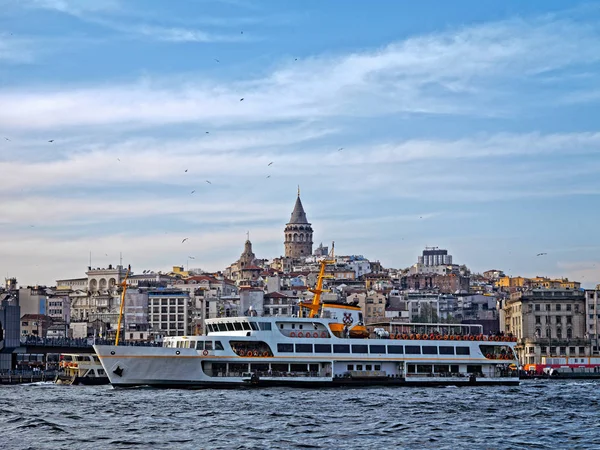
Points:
x=255 y=353
x=205 y=352
x=471 y=338
x=300 y=334
x=241 y=352
x=445 y=337
x=438 y=337
x=315 y=334
x=265 y=353
x=432 y=336
x=412 y=336
x=424 y=337
x=292 y=334
x=485 y=338
x=488 y=356
x=323 y=334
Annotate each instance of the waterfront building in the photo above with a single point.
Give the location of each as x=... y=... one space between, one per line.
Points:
x=32 y=300
x=10 y=340
x=547 y=323
x=280 y=304
x=592 y=317
x=245 y=268
x=35 y=325
x=168 y=311
x=298 y=233
x=58 y=307
x=493 y=274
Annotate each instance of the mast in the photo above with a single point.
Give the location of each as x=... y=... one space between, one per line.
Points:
x=124 y=286
x=314 y=306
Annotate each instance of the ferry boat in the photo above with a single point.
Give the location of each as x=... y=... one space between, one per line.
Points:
x=75 y=368
x=327 y=345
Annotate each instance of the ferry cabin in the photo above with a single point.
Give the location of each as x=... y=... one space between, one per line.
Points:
x=278 y=349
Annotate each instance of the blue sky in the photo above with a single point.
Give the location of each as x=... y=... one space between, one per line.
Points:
x=467 y=125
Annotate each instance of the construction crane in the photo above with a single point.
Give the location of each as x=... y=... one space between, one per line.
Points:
x=123 y=284
x=313 y=307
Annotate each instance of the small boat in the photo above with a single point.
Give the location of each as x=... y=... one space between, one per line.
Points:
x=80 y=368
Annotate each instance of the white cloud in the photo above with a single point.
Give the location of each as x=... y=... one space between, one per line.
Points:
x=455 y=72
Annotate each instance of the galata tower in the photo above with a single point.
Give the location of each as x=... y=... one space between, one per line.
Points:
x=298 y=233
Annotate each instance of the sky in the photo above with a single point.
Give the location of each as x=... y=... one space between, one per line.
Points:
x=127 y=126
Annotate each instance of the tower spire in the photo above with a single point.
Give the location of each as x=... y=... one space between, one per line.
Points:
x=298 y=190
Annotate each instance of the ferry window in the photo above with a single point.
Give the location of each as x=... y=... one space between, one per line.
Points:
x=341 y=348
x=429 y=350
x=463 y=351
x=359 y=367
x=413 y=350
x=200 y=345
x=322 y=348
x=376 y=348
x=350 y=367
x=300 y=326
x=368 y=367
x=285 y=348
x=281 y=326
x=222 y=327
x=237 y=326
x=446 y=350
x=454 y=368
x=360 y=349
x=229 y=326
x=411 y=368
x=208 y=345
x=304 y=348
x=395 y=349
x=254 y=326
x=377 y=367
x=265 y=326
x=246 y=326
x=293 y=326
x=218 y=345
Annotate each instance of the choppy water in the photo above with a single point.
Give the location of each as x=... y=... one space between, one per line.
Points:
x=537 y=414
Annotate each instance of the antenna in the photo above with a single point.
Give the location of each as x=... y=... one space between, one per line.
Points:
x=120 y=258
x=298 y=190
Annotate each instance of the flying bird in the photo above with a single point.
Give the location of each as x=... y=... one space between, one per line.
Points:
x=7 y=139
x=185 y=170
x=541 y=254
x=193 y=192
x=217 y=60
x=207 y=132
x=51 y=140
x=241 y=32
x=270 y=163
x=191 y=257
x=268 y=176
x=208 y=182
x=340 y=149
x=118 y=160
x=242 y=99
x=184 y=240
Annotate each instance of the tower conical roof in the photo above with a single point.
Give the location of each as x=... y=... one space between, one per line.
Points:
x=298 y=214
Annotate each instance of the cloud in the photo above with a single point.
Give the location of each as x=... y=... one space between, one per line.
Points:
x=175 y=34
x=417 y=75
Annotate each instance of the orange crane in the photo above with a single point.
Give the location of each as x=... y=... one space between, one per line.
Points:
x=123 y=284
x=313 y=307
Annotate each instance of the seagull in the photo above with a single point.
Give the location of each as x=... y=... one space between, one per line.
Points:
x=242 y=99
x=185 y=170
x=541 y=254
x=193 y=192
x=118 y=160
x=268 y=176
x=51 y=140
x=207 y=132
x=208 y=182
x=295 y=59
x=241 y=32
x=270 y=163
x=7 y=139
x=191 y=257
x=340 y=149
x=184 y=240
x=217 y=60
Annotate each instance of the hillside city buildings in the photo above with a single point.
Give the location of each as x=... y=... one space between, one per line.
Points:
x=550 y=317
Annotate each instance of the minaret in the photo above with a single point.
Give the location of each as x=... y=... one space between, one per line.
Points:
x=298 y=233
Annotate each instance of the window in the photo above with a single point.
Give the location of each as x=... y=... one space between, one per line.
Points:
x=538 y=319
x=463 y=351
x=253 y=326
x=304 y=348
x=558 y=306
x=238 y=326
x=569 y=333
x=208 y=345
x=547 y=307
x=264 y=326
x=558 y=333
x=582 y=350
x=368 y=367
x=350 y=367
x=563 y=350
x=341 y=348
x=246 y=326
x=377 y=367
x=360 y=349
x=359 y=367
x=446 y=350
x=553 y=350
x=543 y=350
x=569 y=319
x=537 y=307
x=429 y=350
x=568 y=307
x=376 y=348
x=200 y=345
x=322 y=348
x=395 y=349
x=285 y=348
x=413 y=350
x=218 y=345
x=571 y=350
